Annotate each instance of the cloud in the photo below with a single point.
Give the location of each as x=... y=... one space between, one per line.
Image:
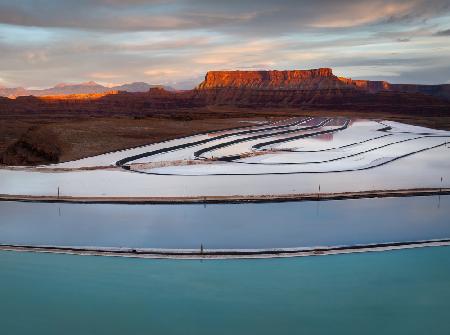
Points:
x=365 y=13
x=442 y=33
x=43 y=42
x=34 y=57
x=103 y=75
x=160 y=72
x=113 y=16
x=245 y=16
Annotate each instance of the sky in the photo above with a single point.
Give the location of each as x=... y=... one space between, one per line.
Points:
x=175 y=42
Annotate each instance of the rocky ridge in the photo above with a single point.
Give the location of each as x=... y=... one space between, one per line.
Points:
x=90 y=87
x=254 y=89
x=321 y=79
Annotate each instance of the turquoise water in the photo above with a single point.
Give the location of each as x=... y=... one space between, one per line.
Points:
x=397 y=292
x=227 y=226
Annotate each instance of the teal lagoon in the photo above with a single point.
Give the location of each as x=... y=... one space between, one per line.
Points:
x=392 y=292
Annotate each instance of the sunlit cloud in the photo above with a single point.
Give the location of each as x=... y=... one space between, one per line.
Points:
x=104 y=75
x=35 y=57
x=365 y=13
x=160 y=73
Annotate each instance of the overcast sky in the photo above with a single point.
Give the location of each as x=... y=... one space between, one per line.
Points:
x=44 y=42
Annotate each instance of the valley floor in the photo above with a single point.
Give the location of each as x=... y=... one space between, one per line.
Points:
x=37 y=137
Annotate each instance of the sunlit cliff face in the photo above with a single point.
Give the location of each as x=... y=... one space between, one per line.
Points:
x=91 y=96
x=265 y=79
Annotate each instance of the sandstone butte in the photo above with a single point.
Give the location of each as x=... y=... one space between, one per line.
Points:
x=314 y=79
x=290 y=79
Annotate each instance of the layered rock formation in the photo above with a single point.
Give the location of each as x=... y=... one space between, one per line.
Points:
x=315 y=79
x=294 y=79
x=441 y=91
x=371 y=86
x=306 y=87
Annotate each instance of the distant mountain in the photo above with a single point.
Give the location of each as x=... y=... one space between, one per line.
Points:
x=188 y=84
x=62 y=89
x=82 y=88
x=12 y=92
x=139 y=87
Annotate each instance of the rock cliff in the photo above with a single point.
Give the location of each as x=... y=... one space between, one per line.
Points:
x=273 y=80
x=301 y=86
x=441 y=91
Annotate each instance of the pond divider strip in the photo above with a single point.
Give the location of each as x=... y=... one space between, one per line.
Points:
x=338 y=158
x=364 y=167
x=123 y=161
x=293 y=138
x=200 y=152
x=224 y=253
x=231 y=199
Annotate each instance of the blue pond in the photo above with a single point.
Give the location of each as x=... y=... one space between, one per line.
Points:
x=227 y=226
